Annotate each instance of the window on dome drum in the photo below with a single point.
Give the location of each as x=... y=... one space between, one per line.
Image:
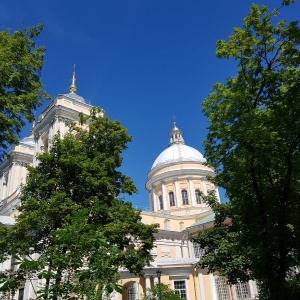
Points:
x=185 y=199
x=171 y=198
x=198 y=197
x=198 y=251
x=132 y=293
x=179 y=288
x=160 y=199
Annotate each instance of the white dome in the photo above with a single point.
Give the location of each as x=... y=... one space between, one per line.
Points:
x=178 y=153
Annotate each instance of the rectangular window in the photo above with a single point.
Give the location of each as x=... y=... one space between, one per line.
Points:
x=179 y=287
x=222 y=288
x=21 y=294
x=241 y=290
x=198 y=251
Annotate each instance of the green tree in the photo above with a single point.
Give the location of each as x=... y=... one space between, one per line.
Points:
x=253 y=144
x=223 y=251
x=21 y=90
x=71 y=215
x=162 y=292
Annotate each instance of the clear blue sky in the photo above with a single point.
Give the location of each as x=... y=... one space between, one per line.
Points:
x=142 y=61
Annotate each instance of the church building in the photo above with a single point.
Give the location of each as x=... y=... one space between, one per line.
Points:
x=175 y=183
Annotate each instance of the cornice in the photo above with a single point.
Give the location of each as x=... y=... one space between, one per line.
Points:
x=18 y=158
x=7 y=205
x=53 y=113
x=168 y=214
x=176 y=174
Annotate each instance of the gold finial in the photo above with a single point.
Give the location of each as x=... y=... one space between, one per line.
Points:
x=73 y=86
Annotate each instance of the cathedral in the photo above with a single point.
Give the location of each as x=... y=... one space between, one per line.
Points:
x=175 y=183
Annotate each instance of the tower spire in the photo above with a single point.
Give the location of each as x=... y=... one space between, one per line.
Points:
x=73 y=86
x=174 y=122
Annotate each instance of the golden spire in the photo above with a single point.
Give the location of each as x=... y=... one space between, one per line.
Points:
x=73 y=86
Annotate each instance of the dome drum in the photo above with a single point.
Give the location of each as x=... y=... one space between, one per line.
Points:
x=177 y=178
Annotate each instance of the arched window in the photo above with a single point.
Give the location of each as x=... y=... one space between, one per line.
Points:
x=171 y=198
x=185 y=199
x=198 y=197
x=160 y=199
x=132 y=292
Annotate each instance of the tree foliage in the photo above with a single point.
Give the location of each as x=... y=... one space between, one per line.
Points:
x=222 y=250
x=253 y=144
x=162 y=292
x=21 y=90
x=72 y=216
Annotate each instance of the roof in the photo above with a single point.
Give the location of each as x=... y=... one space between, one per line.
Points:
x=177 y=152
x=75 y=97
x=208 y=219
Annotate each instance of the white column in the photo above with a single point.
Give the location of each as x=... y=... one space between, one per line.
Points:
x=4 y=185
x=27 y=290
x=9 y=183
x=150 y=201
x=185 y=252
x=36 y=148
x=24 y=173
x=163 y=188
x=217 y=193
x=213 y=287
x=192 y=192
x=204 y=186
x=201 y=286
x=61 y=127
x=252 y=288
x=1 y=187
x=177 y=193
x=148 y=284
x=17 y=175
x=154 y=199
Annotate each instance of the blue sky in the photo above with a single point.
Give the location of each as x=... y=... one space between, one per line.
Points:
x=142 y=61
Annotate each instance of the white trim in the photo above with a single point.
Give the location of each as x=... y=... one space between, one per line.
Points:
x=201 y=286
x=181 y=278
x=177 y=194
x=163 y=188
x=192 y=192
x=204 y=186
x=213 y=287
